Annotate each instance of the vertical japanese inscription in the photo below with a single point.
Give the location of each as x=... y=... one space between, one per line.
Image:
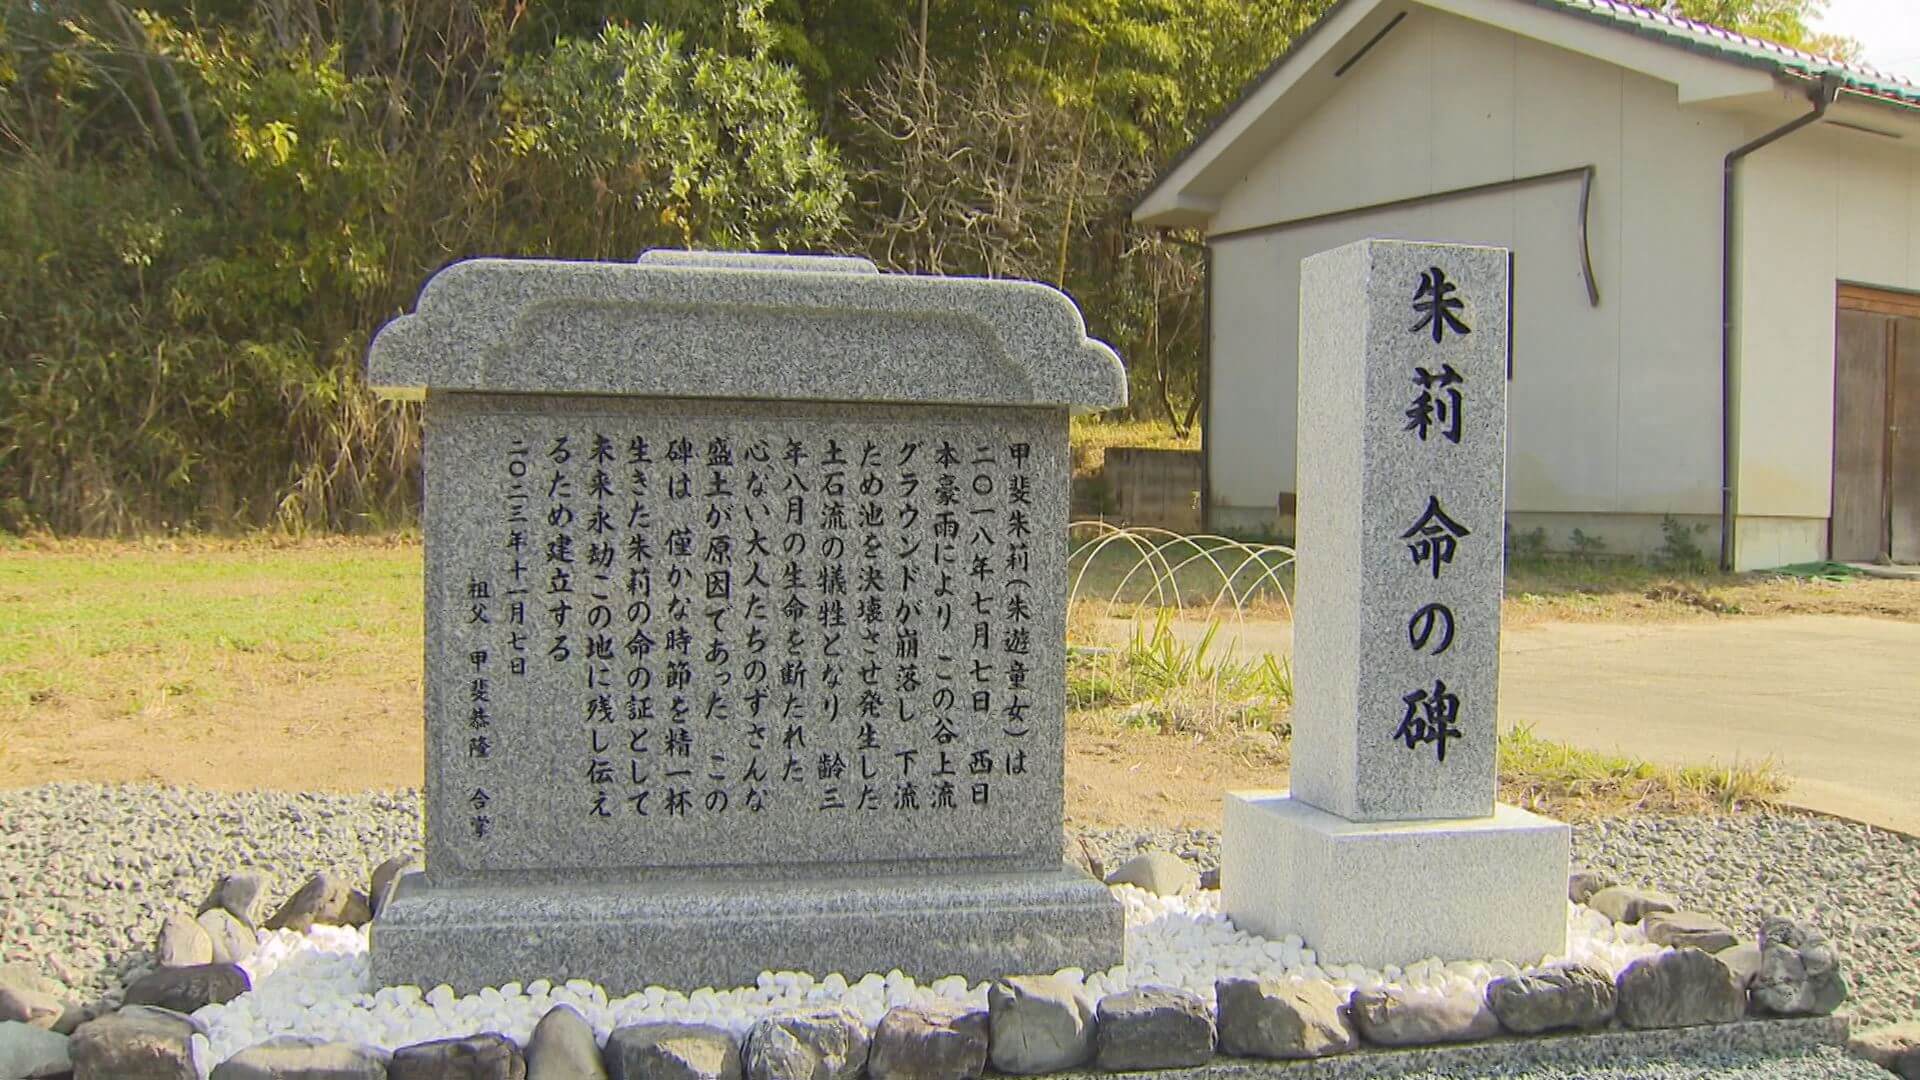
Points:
x=1430 y=714
x=755 y=620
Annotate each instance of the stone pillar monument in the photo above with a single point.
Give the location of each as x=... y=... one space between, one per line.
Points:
x=745 y=623
x=1390 y=846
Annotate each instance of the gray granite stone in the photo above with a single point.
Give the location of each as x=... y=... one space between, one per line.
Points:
x=18 y=1005
x=1422 y=1018
x=563 y=1047
x=385 y=877
x=1743 y=960
x=1688 y=930
x=326 y=898
x=1582 y=883
x=1391 y=521
x=488 y=1055
x=1153 y=1027
x=936 y=1041
x=826 y=1043
x=182 y=942
x=1272 y=1017
x=136 y=1043
x=1680 y=988
x=232 y=940
x=745 y=327
x=30 y=1053
x=1377 y=893
x=1040 y=1024
x=1552 y=998
x=977 y=926
x=669 y=1050
x=1553 y=1055
x=1623 y=904
x=746 y=583
x=297 y=1057
x=189 y=989
x=1159 y=872
x=1799 y=972
x=240 y=894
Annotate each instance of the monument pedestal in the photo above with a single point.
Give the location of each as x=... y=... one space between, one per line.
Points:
x=1394 y=892
x=687 y=934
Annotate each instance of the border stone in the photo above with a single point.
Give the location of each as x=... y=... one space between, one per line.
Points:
x=1511 y=1052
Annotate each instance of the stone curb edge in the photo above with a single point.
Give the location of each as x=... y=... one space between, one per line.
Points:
x=1751 y=1036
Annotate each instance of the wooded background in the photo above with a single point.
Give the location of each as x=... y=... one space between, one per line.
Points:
x=208 y=206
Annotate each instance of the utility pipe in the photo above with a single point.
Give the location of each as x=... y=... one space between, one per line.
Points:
x=1822 y=95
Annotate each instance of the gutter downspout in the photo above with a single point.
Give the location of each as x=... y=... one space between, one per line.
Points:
x=1822 y=96
x=1205 y=389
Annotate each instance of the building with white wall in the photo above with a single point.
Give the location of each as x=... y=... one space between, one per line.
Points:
x=1716 y=263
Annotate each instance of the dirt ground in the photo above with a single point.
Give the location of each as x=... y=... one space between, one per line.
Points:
x=298 y=667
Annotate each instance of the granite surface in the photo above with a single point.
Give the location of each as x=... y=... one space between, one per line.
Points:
x=698 y=932
x=1379 y=893
x=1402 y=449
x=706 y=684
x=744 y=326
x=1570 y=1052
x=745 y=623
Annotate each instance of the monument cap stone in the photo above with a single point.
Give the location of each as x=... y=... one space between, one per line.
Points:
x=745 y=582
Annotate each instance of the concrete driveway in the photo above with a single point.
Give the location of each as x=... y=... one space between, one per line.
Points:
x=1833 y=700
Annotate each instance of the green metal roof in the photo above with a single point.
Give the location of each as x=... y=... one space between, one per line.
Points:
x=1728 y=45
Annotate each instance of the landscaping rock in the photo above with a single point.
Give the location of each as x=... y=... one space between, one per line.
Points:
x=1743 y=960
x=1081 y=854
x=1688 y=930
x=938 y=1041
x=189 y=989
x=1885 y=1046
x=1681 y=988
x=231 y=939
x=385 y=877
x=1552 y=998
x=239 y=895
x=828 y=1043
x=1153 y=1027
x=486 y=1056
x=1625 y=905
x=1210 y=878
x=562 y=1046
x=182 y=942
x=1907 y=1065
x=1583 y=883
x=22 y=977
x=28 y=1052
x=31 y=1007
x=1422 y=1018
x=1272 y=1017
x=1799 y=973
x=1039 y=1024
x=1157 y=872
x=325 y=898
x=668 y=1050
x=136 y=1043
x=299 y=1057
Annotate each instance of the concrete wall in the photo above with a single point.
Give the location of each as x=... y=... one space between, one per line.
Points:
x=1825 y=205
x=1613 y=410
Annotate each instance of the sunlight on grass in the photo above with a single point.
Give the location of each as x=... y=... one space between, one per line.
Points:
x=1564 y=781
x=1157 y=681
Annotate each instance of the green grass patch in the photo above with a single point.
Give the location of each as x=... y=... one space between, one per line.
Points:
x=1565 y=781
x=136 y=624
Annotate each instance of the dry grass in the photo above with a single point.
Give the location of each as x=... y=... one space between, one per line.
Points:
x=1093 y=436
x=1566 y=782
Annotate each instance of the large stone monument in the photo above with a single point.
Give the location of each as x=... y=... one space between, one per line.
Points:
x=745 y=623
x=1390 y=846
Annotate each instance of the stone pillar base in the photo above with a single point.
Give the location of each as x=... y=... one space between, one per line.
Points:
x=688 y=934
x=1395 y=892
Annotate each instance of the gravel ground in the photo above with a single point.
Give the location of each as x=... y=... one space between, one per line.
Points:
x=88 y=871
